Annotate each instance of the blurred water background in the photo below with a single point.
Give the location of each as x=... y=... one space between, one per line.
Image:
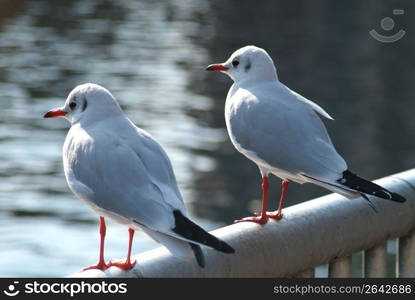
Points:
x=151 y=55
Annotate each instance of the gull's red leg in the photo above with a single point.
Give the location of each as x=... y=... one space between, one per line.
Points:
x=278 y=214
x=101 y=265
x=127 y=265
x=262 y=218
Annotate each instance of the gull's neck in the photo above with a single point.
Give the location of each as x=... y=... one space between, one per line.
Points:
x=252 y=81
x=88 y=123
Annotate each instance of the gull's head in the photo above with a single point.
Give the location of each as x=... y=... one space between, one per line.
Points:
x=247 y=63
x=87 y=103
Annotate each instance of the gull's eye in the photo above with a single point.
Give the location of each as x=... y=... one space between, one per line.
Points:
x=72 y=105
x=235 y=63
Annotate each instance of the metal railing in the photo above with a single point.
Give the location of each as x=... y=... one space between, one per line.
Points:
x=326 y=230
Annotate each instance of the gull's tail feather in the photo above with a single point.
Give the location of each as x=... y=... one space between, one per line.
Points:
x=193 y=232
x=369 y=202
x=359 y=184
x=177 y=247
x=200 y=258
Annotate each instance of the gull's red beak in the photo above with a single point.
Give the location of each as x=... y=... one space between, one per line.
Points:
x=54 y=113
x=217 y=68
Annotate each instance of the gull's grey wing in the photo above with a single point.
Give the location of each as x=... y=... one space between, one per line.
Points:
x=283 y=132
x=158 y=165
x=137 y=185
x=310 y=103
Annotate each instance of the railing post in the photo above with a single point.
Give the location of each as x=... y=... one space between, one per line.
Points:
x=406 y=256
x=341 y=267
x=309 y=273
x=375 y=261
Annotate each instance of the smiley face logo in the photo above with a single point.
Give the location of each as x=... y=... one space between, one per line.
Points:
x=11 y=290
x=387 y=24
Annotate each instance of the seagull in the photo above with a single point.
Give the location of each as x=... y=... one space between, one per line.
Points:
x=283 y=134
x=123 y=173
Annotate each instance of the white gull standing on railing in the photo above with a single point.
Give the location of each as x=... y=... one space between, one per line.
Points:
x=122 y=173
x=281 y=132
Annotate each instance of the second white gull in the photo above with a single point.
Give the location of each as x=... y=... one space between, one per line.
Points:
x=283 y=134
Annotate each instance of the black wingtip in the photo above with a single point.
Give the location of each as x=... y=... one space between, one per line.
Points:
x=193 y=232
x=362 y=185
x=225 y=248
x=398 y=198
